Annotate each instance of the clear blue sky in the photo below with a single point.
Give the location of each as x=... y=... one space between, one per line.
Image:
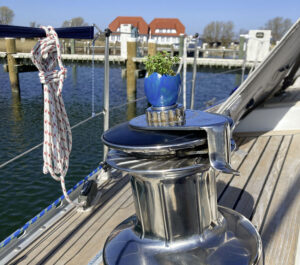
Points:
x=194 y=14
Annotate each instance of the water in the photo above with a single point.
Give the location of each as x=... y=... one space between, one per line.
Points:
x=24 y=189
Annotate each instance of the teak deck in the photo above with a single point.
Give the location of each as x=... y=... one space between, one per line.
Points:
x=267 y=193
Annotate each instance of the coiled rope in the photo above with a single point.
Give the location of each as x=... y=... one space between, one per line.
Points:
x=57 y=132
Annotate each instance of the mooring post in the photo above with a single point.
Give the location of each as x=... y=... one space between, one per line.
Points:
x=84 y=47
x=241 y=47
x=181 y=44
x=115 y=48
x=143 y=49
x=152 y=47
x=131 y=78
x=11 y=49
x=63 y=46
x=72 y=46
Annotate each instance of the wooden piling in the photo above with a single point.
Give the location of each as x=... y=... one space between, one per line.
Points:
x=241 y=48
x=172 y=50
x=131 y=79
x=11 y=62
x=72 y=46
x=63 y=44
x=152 y=47
x=115 y=48
x=88 y=47
x=181 y=44
x=143 y=49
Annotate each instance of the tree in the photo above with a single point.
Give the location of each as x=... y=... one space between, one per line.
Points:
x=227 y=33
x=211 y=32
x=279 y=26
x=218 y=31
x=33 y=24
x=74 y=22
x=6 y=15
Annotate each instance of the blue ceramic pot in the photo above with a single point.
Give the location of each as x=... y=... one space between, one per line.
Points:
x=162 y=90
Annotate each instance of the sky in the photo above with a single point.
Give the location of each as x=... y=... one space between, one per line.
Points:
x=194 y=14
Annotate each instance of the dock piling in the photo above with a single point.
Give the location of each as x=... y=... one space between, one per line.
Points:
x=11 y=61
x=131 y=78
x=181 y=44
x=152 y=47
x=72 y=46
x=241 y=48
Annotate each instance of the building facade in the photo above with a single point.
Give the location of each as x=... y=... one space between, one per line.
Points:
x=138 y=23
x=166 y=30
x=163 y=30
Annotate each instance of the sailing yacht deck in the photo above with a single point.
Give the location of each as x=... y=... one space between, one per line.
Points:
x=266 y=192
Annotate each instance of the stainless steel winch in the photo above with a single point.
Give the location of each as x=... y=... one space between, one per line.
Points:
x=173 y=162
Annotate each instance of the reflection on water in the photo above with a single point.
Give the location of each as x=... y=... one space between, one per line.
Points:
x=74 y=74
x=16 y=107
x=24 y=189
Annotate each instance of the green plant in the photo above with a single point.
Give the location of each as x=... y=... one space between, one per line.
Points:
x=161 y=63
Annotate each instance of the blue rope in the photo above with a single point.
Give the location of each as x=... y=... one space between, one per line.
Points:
x=38 y=216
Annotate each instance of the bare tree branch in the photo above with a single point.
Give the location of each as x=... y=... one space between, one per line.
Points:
x=6 y=15
x=74 y=22
x=279 y=26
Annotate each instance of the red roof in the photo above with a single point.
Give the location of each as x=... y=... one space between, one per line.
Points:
x=137 y=22
x=167 y=23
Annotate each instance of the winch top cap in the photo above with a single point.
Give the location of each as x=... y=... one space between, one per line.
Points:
x=126 y=138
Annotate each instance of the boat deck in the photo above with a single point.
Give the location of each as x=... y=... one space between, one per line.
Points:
x=266 y=192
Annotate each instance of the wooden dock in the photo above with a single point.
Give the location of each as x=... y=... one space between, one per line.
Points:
x=205 y=62
x=267 y=193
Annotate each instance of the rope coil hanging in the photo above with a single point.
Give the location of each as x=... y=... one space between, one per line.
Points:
x=46 y=56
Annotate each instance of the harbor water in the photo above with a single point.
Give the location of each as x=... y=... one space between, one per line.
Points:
x=24 y=189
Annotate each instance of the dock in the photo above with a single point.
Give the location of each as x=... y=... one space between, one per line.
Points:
x=81 y=58
x=266 y=192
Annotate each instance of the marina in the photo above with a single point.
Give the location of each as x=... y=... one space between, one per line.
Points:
x=266 y=193
x=192 y=165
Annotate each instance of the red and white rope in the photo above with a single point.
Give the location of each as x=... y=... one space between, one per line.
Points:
x=57 y=132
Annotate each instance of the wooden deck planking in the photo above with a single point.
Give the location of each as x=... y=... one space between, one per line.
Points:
x=259 y=161
x=233 y=191
x=281 y=227
x=255 y=183
x=266 y=195
x=57 y=237
x=92 y=236
x=244 y=146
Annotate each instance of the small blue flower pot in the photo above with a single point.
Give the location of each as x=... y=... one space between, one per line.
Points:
x=162 y=90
